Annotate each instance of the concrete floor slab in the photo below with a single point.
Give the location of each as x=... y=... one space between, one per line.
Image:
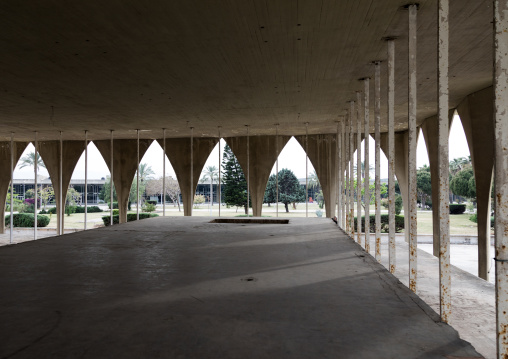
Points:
x=185 y=288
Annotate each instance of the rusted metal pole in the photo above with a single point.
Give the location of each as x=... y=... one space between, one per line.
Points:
x=347 y=157
x=60 y=188
x=11 y=204
x=111 y=178
x=413 y=9
x=377 y=138
x=359 y=121
x=351 y=171
x=137 y=176
x=86 y=177
x=391 y=156
x=36 y=165
x=164 y=172
x=192 y=189
x=337 y=173
x=444 y=212
x=277 y=171
x=342 y=179
x=501 y=171
x=248 y=170
x=219 y=193
x=306 y=169
x=366 y=125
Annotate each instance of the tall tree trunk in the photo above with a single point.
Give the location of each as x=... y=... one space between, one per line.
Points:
x=246 y=208
x=287 y=208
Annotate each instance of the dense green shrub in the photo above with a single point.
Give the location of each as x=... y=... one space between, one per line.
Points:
x=474 y=218
x=52 y=210
x=151 y=202
x=70 y=210
x=43 y=211
x=457 y=208
x=149 y=207
x=115 y=205
x=130 y=217
x=399 y=223
x=27 y=220
x=398 y=204
x=116 y=212
x=91 y=209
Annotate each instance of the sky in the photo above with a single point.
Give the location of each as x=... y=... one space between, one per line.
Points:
x=291 y=157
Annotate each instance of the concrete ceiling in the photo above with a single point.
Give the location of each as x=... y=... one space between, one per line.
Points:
x=125 y=65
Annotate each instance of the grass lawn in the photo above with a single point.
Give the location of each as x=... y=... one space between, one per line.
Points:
x=459 y=223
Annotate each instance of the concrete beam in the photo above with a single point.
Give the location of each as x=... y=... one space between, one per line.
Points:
x=476 y=113
x=178 y=150
x=262 y=157
x=124 y=167
x=321 y=153
x=5 y=173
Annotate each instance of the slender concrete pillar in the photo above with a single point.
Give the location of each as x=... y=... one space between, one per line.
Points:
x=475 y=112
x=413 y=134
x=339 y=174
x=377 y=138
x=444 y=185
x=359 y=120
x=321 y=153
x=347 y=141
x=178 y=150
x=390 y=151
x=262 y=156
x=5 y=172
x=351 y=170
x=366 y=127
x=124 y=167
x=50 y=153
x=501 y=172
x=344 y=166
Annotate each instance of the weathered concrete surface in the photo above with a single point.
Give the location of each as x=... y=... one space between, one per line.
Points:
x=181 y=287
x=476 y=114
x=262 y=156
x=5 y=172
x=178 y=151
x=125 y=166
x=430 y=130
x=50 y=154
x=322 y=149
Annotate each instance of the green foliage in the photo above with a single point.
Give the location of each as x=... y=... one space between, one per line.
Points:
x=320 y=199
x=463 y=183
x=457 y=208
x=290 y=190
x=91 y=209
x=27 y=220
x=52 y=210
x=115 y=205
x=116 y=212
x=130 y=217
x=399 y=223
x=198 y=199
x=398 y=204
x=71 y=200
x=384 y=203
x=423 y=184
x=70 y=210
x=105 y=192
x=235 y=185
x=149 y=207
x=474 y=218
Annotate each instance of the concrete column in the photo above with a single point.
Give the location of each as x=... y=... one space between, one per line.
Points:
x=501 y=172
x=321 y=153
x=359 y=121
x=262 y=156
x=390 y=152
x=351 y=170
x=377 y=138
x=178 y=150
x=344 y=166
x=5 y=172
x=347 y=141
x=366 y=125
x=430 y=130
x=476 y=112
x=50 y=154
x=413 y=134
x=124 y=167
x=339 y=175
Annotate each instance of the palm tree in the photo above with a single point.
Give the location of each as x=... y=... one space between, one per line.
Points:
x=371 y=168
x=29 y=160
x=210 y=173
x=314 y=181
x=145 y=172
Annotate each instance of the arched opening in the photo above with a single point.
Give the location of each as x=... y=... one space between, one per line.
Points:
x=206 y=200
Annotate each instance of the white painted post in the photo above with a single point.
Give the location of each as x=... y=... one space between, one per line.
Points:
x=377 y=138
x=192 y=189
x=347 y=141
x=112 y=182
x=413 y=8
x=351 y=171
x=391 y=156
x=277 y=171
x=306 y=169
x=359 y=121
x=444 y=185
x=36 y=164
x=60 y=187
x=137 y=177
x=501 y=171
x=86 y=176
x=338 y=159
x=343 y=180
x=248 y=171
x=164 y=172
x=11 y=220
x=366 y=98
x=220 y=182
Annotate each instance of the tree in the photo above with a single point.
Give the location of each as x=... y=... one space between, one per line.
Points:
x=106 y=191
x=46 y=194
x=154 y=187
x=314 y=181
x=28 y=160
x=145 y=173
x=210 y=173
x=290 y=190
x=423 y=184
x=463 y=183
x=362 y=166
x=235 y=184
x=71 y=200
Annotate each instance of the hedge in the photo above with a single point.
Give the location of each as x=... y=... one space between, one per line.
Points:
x=130 y=217
x=115 y=205
x=399 y=223
x=27 y=220
x=474 y=218
x=91 y=209
x=457 y=208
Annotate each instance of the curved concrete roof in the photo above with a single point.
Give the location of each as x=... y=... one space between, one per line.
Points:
x=124 y=65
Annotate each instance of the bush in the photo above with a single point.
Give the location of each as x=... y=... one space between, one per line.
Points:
x=130 y=217
x=385 y=203
x=116 y=212
x=457 y=208
x=70 y=210
x=91 y=209
x=27 y=220
x=151 y=202
x=52 y=210
x=149 y=207
x=43 y=211
x=474 y=218
x=399 y=223
x=115 y=205
x=398 y=204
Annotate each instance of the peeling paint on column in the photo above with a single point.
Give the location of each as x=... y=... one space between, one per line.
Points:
x=377 y=138
x=366 y=98
x=412 y=146
x=501 y=172
x=391 y=156
x=359 y=121
x=443 y=206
